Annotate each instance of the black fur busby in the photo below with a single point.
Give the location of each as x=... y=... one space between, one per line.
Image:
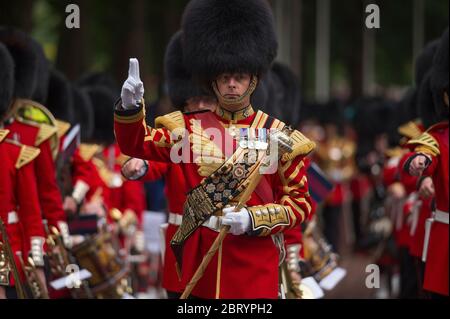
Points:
x=439 y=76
x=180 y=84
x=59 y=99
x=228 y=36
x=407 y=106
x=6 y=80
x=84 y=114
x=43 y=74
x=424 y=61
x=98 y=79
x=425 y=103
x=278 y=94
x=289 y=104
x=260 y=96
x=102 y=100
x=25 y=59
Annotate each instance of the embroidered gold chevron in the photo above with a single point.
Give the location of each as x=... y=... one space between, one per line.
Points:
x=45 y=132
x=3 y=134
x=26 y=155
x=87 y=151
x=207 y=154
x=174 y=122
x=410 y=130
x=426 y=143
x=62 y=128
x=302 y=146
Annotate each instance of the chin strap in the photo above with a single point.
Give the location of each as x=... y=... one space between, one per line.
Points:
x=233 y=102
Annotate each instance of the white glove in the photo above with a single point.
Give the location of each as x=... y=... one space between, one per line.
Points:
x=239 y=222
x=133 y=88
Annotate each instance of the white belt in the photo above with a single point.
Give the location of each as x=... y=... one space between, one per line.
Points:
x=438 y=216
x=213 y=222
x=13 y=218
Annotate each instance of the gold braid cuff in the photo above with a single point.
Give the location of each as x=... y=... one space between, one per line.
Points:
x=266 y=217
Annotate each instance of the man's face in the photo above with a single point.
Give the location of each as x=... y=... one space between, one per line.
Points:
x=201 y=103
x=233 y=85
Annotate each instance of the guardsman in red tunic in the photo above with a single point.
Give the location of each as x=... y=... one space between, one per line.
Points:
x=247 y=264
x=28 y=57
x=19 y=206
x=186 y=96
x=431 y=159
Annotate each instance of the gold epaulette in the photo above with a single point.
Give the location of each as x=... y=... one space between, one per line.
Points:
x=87 y=151
x=111 y=179
x=27 y=154
x=302 y=146
x=410 y=130
x=3 y=134
x=171 y=121
x=62 y=128
x=45 y=132
x=395 y=152
x=426 y=143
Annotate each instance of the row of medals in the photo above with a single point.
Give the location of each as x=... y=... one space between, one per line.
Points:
x=251 y=138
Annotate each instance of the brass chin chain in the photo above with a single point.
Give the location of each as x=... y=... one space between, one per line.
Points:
x=223 y=101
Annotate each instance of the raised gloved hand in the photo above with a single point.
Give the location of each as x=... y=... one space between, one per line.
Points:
x=133 y=88
x=239 y=221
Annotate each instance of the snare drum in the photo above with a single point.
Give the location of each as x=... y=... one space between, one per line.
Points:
x=109 y=272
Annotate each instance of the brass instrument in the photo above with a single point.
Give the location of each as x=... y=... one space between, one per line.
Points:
x=8 y=264
x=56 y=253
x=292 y=289
x=318 y=253
x=37 y=288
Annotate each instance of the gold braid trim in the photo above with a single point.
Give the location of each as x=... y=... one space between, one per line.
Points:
x=410 y=130
x=127 y=119
x=426 y=143
x=87 y=151
x=3 y=134
x=171 y=121
x=45 y=132
x=267 y=217
x=26 y=155
x=62 y=128
x=302 y=146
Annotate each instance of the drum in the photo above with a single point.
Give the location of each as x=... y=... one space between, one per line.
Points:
x=109 y=271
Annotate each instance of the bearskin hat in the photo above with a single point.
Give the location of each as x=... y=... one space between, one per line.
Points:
x=59 y=98
x=25 y=58
x=407 y=106
x=98 y=79
x=102 y=101
x=43 y=74
x=439 y=76
x=228 y=36
x=425 y=103
x=84 y=114
x=180 y=84
x=424 y=61
x=278 y=94
x=260 y=96
x=6 y=80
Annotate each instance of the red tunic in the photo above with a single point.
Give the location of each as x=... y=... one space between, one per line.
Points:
x=437 y=263
x=249 y=265
x=18 y=190
x=49 y=194
x=175 y=190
